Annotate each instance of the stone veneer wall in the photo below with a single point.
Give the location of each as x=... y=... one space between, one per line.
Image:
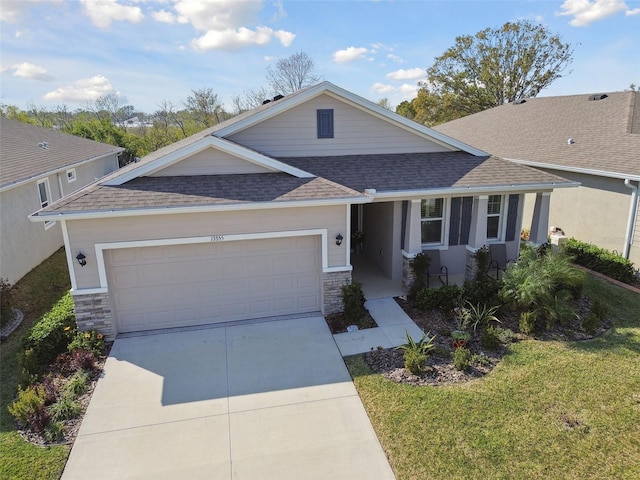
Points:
x=93 y=312
x=472 y=267
x=332 y=283
x=407 y=273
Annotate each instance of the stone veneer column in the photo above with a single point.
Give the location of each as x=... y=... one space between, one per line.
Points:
x=408 y=278
x=471 y=267
x=332 y=283
x=93 y=312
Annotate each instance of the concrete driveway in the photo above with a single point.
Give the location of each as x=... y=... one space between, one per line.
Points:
x=269 y=400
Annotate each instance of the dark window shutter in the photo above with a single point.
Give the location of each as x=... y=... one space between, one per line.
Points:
x=325 y=123
x=403 y=233
x=454 y=223
x=467 y=209
x=512 y=216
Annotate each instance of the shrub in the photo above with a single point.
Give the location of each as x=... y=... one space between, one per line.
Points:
x=6 y=305
x=77 y=384
x=591 y=323
x=415 y=353
x=83 y=360
x=558 y=309
x=419 y=266
x=599 y=309
x=480 y=359
x=601 y=260
x=415 y=362
x=65 y=409
x=53 y=431
x=479 y=315
x=462 y=358
x=528 y=322
x=48 y=337
x=445 y=298
x=29 y=408
x=353 y=301
x=483 y=260
x=50 y=390
x=490 y=339
x=482 y=290
x=91 y=340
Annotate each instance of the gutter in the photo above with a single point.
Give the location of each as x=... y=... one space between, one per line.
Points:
x=633 y=212
x=586 y=171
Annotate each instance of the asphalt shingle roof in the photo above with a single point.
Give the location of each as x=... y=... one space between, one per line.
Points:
x=202 y=190
x=421 y=171
x=21 y=158
x=606 y=133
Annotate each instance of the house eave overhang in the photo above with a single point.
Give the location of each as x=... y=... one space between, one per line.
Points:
x=136 y=212
x=209 y=141
x=466 y=191
x=586 y=171
x=357 y=102
x=9 y=186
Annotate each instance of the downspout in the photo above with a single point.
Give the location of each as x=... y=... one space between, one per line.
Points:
x=633 y=211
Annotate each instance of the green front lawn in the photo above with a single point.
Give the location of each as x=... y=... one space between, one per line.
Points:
x=35 y=294
x=549 y=410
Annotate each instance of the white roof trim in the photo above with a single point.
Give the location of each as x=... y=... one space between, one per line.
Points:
x=586 y=171
x=207 y=142
x=370 y=107
x=55 y=216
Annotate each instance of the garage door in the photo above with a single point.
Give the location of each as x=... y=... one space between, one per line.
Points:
x=184 y=285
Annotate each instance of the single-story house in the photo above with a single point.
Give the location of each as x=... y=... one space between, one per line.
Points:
x=253 y=217
x=590 y=139
x=37 y=167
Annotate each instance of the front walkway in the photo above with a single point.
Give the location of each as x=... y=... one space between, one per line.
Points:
x=393 y=326
x=270 y=400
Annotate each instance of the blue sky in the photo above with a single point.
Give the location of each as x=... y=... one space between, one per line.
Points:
x=56 y=52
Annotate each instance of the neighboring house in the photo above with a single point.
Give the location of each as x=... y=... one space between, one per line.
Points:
x=37 y=167
x=591 y=139
x=252 y=218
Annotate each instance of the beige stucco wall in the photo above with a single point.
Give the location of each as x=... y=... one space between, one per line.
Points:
x=25 y=244
x=84 y=234
x=294 y=133
x=596 y=212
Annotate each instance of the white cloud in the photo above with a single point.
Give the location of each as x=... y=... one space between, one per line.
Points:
x=280 y=11
x=29 y=70
x=409 y=91
x=383 y=89
x=635 y=11
x=395 y=58
x=408 y=74
x=350 y=54
x=103 y=12
x=240 y=38
x=224 y=23
x=585 y=12
x=12 y=9
x=83 y=90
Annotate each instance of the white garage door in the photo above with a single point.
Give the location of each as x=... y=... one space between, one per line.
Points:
x=183 y=285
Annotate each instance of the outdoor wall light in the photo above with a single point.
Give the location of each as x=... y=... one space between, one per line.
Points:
x=82 y=260
x=339 y=239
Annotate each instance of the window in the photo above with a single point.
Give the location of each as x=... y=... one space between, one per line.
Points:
x=494 y=217
x=432 y=213
x=325 y=123
x=44 y=194
x=71 y=175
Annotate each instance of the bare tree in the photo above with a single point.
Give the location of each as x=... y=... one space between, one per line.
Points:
x=249 y=100
x=204 y=107
x=292 y=74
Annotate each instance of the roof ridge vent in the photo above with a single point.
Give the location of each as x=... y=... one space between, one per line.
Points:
x=598 y=96
x=43 y=145
x=277 y=97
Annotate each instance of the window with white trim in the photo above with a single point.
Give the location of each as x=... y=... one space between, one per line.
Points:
x=44 y=194
x=495 y=210
x=432 y=213
x=71 y=175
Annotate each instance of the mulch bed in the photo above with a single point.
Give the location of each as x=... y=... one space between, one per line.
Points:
x=338 y=323
x=439 y=367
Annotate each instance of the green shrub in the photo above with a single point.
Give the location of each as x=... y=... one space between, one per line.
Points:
x=445 y=298
x=599 y=309
x=601 y=260
x=479 y=314
x=65 y=409
x=77 y=384
x=480 y=359
x=48 y=337
x=462 y=358
x=91 y=340
x=415 y=362
x=29 y=408
x=353 y=301
x=419 y=266
x=482 y=290
x=483 y=260
x=528 y=322
x=53 y=431
x=490 y=339
x=6 y=304
x=558 y=309
x=591 y=323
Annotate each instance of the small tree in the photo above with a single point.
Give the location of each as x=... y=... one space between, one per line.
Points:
x=353 y=301
x=292 y=74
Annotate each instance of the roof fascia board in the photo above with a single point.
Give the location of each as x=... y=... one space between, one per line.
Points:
x=61 y=169
x=209 y=141
x=586 y=171
x=47 y=217
x=462 y=191
x=356 y=101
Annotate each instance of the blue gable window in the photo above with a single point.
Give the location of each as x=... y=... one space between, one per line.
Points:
x=325 y=123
